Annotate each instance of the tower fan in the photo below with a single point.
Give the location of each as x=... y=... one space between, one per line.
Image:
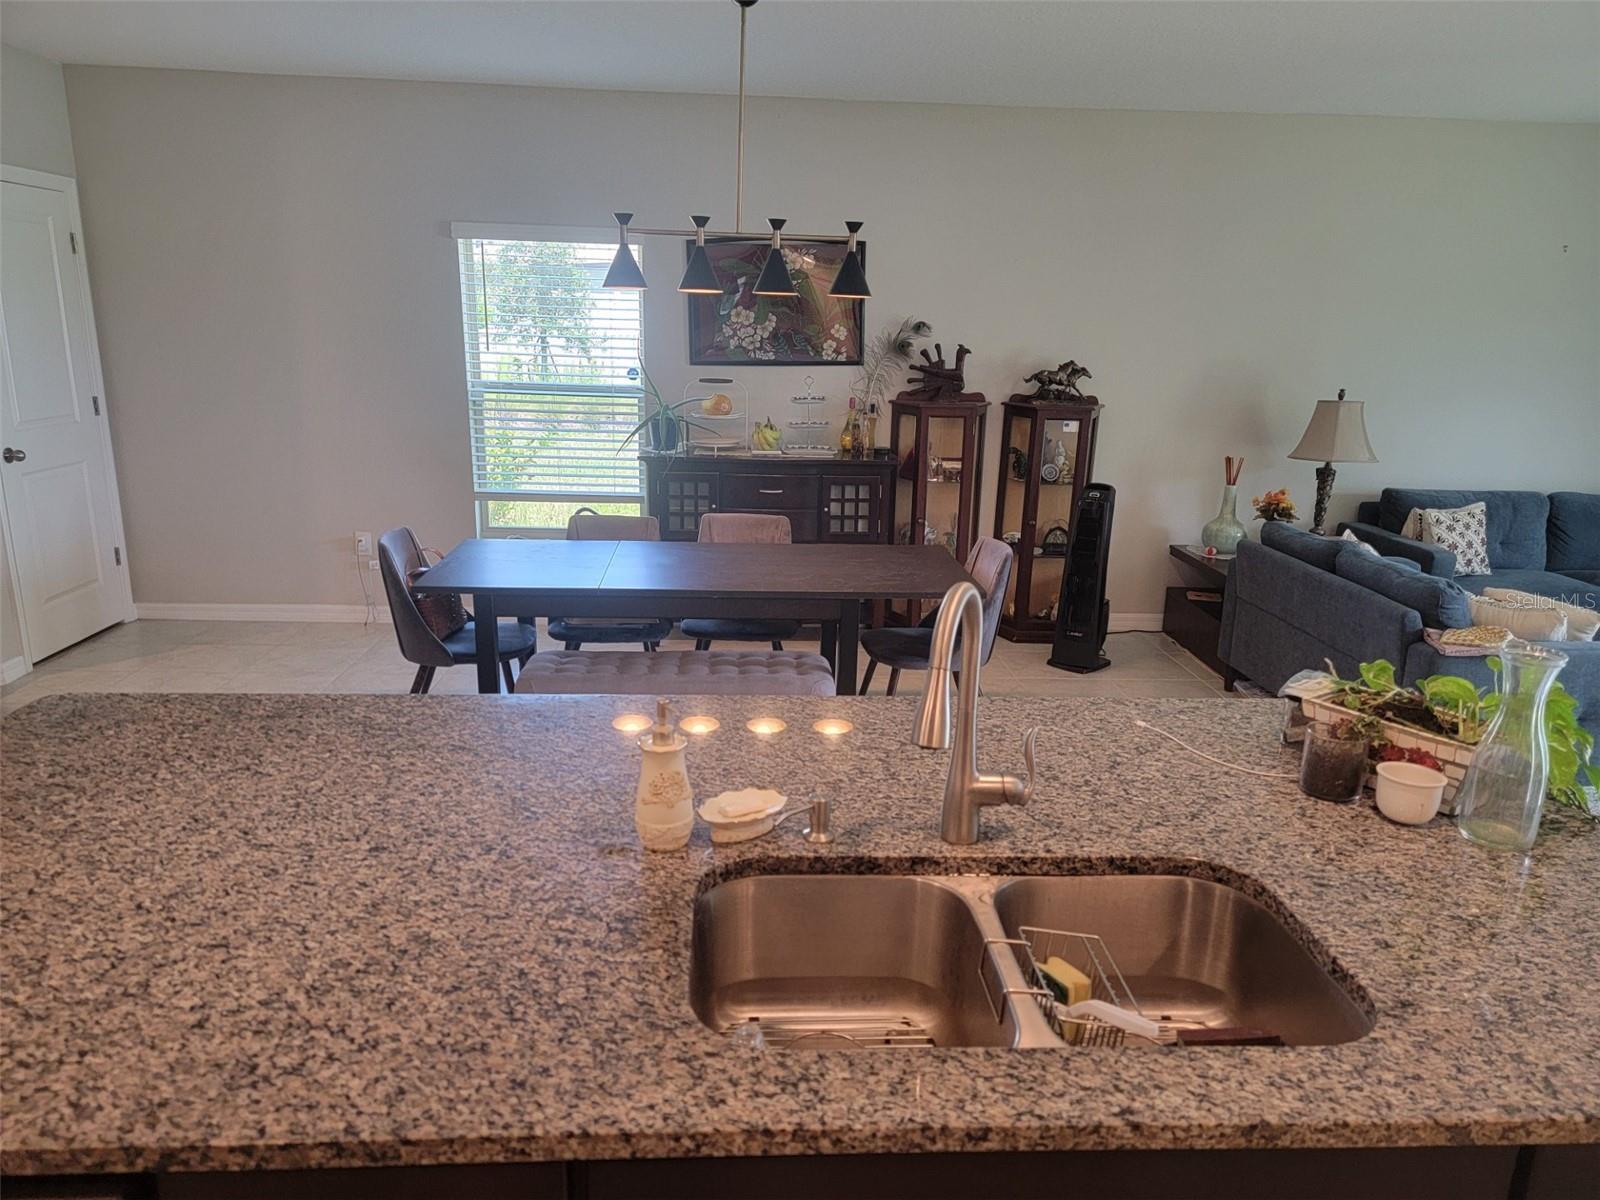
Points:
x=1083 y=612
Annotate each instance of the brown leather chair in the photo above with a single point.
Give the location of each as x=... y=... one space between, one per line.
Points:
x=399 y=558
x=989 y=564
x=586 y=525
x=759 y=529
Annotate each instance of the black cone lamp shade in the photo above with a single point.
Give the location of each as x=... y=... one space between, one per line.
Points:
x=624 y=272
x=851 y=281
x=774 y=280
x=699 y=279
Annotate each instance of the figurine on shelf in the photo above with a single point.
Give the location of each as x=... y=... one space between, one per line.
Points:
x=938 y=381
x=1060 y=386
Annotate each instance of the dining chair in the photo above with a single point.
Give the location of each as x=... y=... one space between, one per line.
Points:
x=749 y=529
x=989 y=564
x=586 y=525
x=399 y=561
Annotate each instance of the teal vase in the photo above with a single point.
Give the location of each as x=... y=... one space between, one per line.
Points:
x=1223 y=533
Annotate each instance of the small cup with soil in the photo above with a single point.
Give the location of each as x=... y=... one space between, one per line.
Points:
x=1333 y=761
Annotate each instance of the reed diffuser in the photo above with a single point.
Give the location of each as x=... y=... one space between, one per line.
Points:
x=1223 y=533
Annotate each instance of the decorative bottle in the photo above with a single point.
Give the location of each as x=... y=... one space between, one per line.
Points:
x=1502 y=795
x=663 y=810
x=847 y=435
x=1223 y=533
x=872 y=427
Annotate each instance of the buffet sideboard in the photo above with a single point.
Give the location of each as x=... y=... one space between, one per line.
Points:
x=825 y=499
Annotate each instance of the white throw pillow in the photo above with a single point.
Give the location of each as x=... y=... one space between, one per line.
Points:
x=1366 y=547
x=1411 y=527
x=1528 y=623
x=1582 y=623
x=1462 y=531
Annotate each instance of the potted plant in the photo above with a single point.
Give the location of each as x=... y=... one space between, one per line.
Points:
x=1446 y=716
x=669 y=428
x=1276 y=505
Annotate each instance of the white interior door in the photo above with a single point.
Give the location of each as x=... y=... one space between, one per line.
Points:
x=59 y=503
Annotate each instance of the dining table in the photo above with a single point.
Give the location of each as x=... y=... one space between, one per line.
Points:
x=826 y=583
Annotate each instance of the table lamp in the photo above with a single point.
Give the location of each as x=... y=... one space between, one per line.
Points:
x=1337 y=433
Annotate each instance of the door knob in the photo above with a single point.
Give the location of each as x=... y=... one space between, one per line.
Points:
x=11 y=455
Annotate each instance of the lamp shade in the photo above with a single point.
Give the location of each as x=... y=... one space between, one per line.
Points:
x=851 y=281
x=774 y=279
x=624 y=272
x=1337 y=433
x=698 y=278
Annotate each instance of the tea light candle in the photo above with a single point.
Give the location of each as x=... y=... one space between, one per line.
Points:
x=699 y=724
x=632 y=723
x=765 y=726
x=833 y=727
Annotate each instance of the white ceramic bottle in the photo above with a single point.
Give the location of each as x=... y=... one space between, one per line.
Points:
x=663 y=810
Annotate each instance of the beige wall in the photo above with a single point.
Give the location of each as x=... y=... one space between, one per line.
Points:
x=33 y=134
x=278 y=304
x=33 y=113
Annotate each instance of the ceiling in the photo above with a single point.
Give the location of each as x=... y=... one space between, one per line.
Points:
x=1522 y=60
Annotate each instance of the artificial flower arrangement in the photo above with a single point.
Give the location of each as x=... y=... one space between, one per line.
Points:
x=1276 y=505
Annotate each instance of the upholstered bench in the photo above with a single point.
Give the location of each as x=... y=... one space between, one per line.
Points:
x=677 y=673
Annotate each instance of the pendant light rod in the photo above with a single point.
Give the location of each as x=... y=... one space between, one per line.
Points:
x=738 y=164
x=759 y=235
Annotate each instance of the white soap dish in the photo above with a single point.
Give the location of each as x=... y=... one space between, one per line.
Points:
x=742 y=815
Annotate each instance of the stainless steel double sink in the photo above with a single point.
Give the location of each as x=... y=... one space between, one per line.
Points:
x=821 y=961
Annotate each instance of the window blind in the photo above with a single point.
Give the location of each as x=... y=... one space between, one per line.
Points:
x=552 y=370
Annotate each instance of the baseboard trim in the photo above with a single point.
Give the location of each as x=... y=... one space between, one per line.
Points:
x=257 y=612
x=13 y=669
x=1134 y=623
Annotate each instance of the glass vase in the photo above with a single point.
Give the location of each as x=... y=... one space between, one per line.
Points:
x=1502 y=796
x=1223 y=533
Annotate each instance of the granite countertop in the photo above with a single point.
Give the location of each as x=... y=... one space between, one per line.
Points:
x=288 y=931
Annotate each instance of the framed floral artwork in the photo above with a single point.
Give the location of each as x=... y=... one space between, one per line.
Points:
x=811 y=329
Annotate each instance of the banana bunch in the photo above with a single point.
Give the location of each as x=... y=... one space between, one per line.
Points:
x=766 y=436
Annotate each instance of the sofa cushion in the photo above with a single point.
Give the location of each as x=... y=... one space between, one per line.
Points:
x=1310 y=548
x=1442 y=603
x=1582 y=623
x=1574 y=533
x=1515 y=527
x=1566 y=588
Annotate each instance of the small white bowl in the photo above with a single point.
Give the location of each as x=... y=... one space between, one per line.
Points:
x=756 y=808
x=1408 y=793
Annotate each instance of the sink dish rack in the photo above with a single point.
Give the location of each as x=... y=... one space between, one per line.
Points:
x=1085 y=951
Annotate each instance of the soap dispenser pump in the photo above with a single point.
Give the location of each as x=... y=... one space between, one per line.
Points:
x=663 y=810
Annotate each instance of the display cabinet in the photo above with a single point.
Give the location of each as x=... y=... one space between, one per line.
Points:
x=939 y=445
x=1046 y=458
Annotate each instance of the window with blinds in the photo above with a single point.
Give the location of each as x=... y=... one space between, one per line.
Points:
x=553 y=383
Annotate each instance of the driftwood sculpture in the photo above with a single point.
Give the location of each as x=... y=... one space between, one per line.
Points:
x=1061 y=384
x=936 y=380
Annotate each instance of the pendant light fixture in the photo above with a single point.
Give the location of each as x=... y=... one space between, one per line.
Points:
x=624 y=272
x=700 y=278
x=851 y=281
x=774 y=280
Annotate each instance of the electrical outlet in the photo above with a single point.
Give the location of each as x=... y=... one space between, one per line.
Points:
x=373 y=565
x=364 y=544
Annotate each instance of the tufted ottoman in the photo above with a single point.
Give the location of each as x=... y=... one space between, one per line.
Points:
x=677 y=673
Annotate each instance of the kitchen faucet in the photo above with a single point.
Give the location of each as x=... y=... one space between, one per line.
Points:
x=965 y=790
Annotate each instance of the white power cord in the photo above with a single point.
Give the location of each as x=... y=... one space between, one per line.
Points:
x=1213 y=759
x=366 y=596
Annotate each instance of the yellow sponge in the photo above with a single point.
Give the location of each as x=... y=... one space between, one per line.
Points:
x=1070 y=985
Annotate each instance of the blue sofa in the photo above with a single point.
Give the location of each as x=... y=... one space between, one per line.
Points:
x=1549 y=545
x=1295 y=600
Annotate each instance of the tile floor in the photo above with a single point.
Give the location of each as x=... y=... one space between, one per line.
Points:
x=249 y=656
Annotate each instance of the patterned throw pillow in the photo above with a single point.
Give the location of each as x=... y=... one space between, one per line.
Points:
x=1530 y=624
x=1462 y=531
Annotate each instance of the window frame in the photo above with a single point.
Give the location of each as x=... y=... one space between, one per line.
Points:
x=481 y=499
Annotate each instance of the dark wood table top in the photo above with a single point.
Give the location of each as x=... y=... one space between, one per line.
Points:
x=690 y=569
x=480 y=564
x=1195 y=556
